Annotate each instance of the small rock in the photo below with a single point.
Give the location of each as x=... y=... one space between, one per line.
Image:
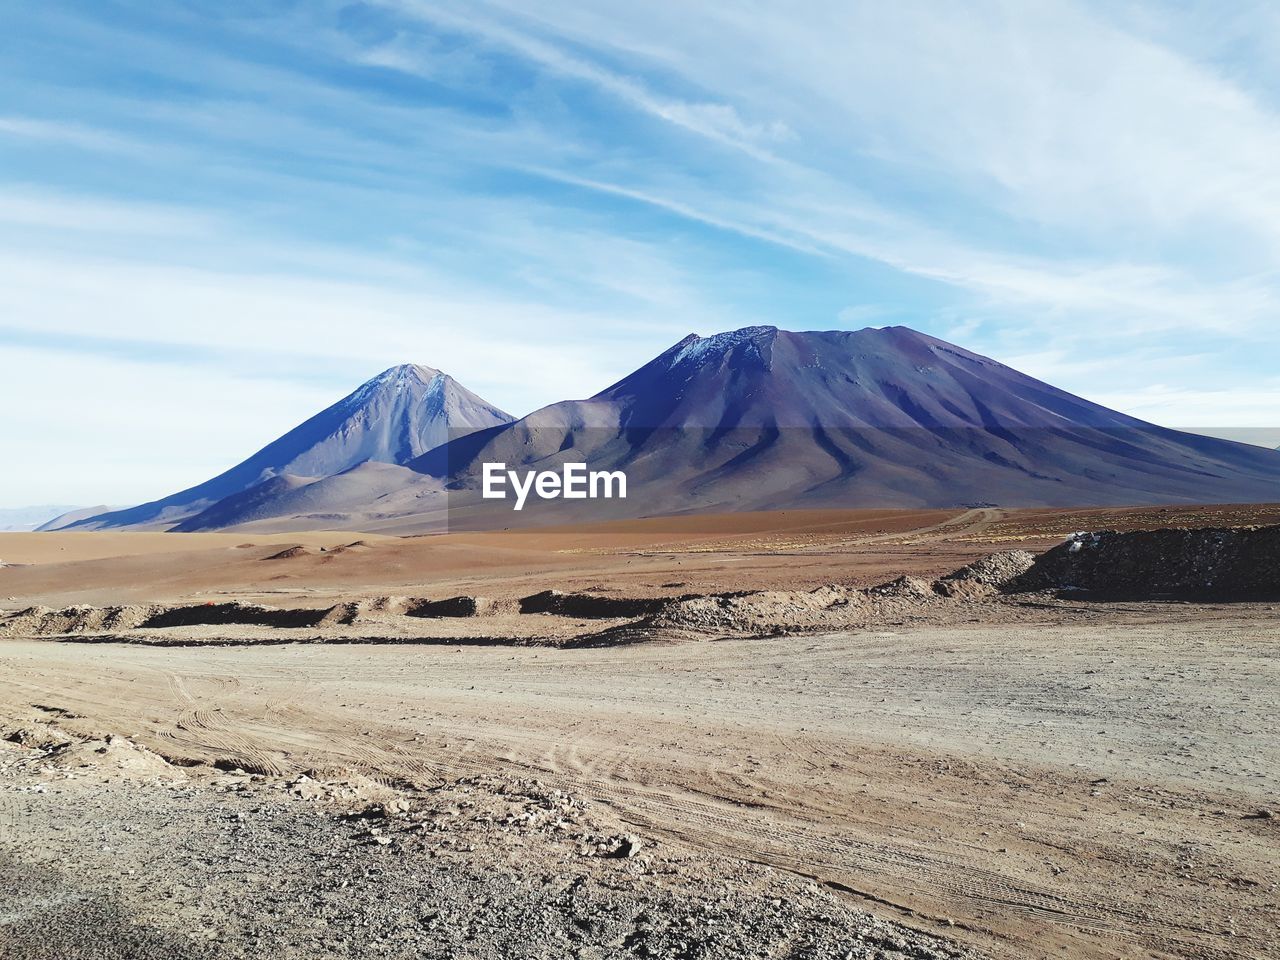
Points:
x=628 y=846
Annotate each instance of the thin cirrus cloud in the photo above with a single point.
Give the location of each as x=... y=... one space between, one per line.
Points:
x=1061 y=119
x=538 y=198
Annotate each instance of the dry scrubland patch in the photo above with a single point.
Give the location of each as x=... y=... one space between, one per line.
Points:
x=1041 y=524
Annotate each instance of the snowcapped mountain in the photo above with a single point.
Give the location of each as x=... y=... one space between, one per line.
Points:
x=395 y=417
x=762 y=418
x=751 y=419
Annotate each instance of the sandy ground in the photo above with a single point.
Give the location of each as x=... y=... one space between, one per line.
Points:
x=1025 y=779
x=639 y=558
x=1057 y=791
x=494 y=867
x=662 y=557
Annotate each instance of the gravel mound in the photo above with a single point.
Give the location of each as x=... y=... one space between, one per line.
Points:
x=25 y=622
x=345 y=614
x=765 y=611
x=905 y=588
x=81 y=618
x=997 y=570
x=1213 y=563
x=463 y=606
x=383 y=609
x=986 y=577
x=368 y=610
x=358 y=545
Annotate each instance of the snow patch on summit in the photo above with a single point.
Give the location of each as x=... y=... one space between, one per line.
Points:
x=433 y=398
x=394 y=379
x=698 y=350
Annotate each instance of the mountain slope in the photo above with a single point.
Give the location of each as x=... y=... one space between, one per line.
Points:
x=355 y=498
x=761 y=418
x=74 y=515
x=393 y=418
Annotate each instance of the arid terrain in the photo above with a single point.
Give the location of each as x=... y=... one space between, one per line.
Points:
x=306 y=745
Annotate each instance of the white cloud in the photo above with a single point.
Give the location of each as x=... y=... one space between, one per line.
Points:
x=1039 y=114
x=69 y=134
x=1246 y=412
x=716 y=120
x=1087 y=188
x=29 y=206
x=485 y=342
x=1046 y=109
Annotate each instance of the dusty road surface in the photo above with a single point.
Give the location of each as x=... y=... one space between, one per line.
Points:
x=1094 y=789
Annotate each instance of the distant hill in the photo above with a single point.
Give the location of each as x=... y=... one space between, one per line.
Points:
x=393 y=418
x=30 y=518
x=75 y=515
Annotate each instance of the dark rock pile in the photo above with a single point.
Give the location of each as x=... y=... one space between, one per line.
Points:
x=590 y=605
x=1212 y=563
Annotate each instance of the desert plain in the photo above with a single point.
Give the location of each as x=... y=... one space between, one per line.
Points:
x=327 y=744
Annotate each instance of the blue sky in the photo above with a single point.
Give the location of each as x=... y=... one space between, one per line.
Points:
x=213 y=223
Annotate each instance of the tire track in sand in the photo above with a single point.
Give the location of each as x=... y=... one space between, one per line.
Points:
x=921 y=878
x=202 y=726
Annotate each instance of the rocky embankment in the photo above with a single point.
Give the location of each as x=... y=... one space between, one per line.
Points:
x=1208 y=563
x=1171 y=564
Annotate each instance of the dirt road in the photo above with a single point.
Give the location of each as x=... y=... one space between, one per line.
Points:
x=1052 y=791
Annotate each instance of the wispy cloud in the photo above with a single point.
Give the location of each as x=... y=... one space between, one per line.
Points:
x=62 y=133
x=1045 y=113
x=29 y=206
x=538 y=198
x=715 y=120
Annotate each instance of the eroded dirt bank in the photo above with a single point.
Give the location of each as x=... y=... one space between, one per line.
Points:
x=1178 y=564
x=791 y=550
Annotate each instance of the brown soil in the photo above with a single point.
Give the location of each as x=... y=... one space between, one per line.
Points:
x=792 y=550
x=843 y=699
x=1085 y=788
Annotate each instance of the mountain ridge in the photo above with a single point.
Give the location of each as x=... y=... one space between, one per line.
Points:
x=763 y=418
x=393 y=417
